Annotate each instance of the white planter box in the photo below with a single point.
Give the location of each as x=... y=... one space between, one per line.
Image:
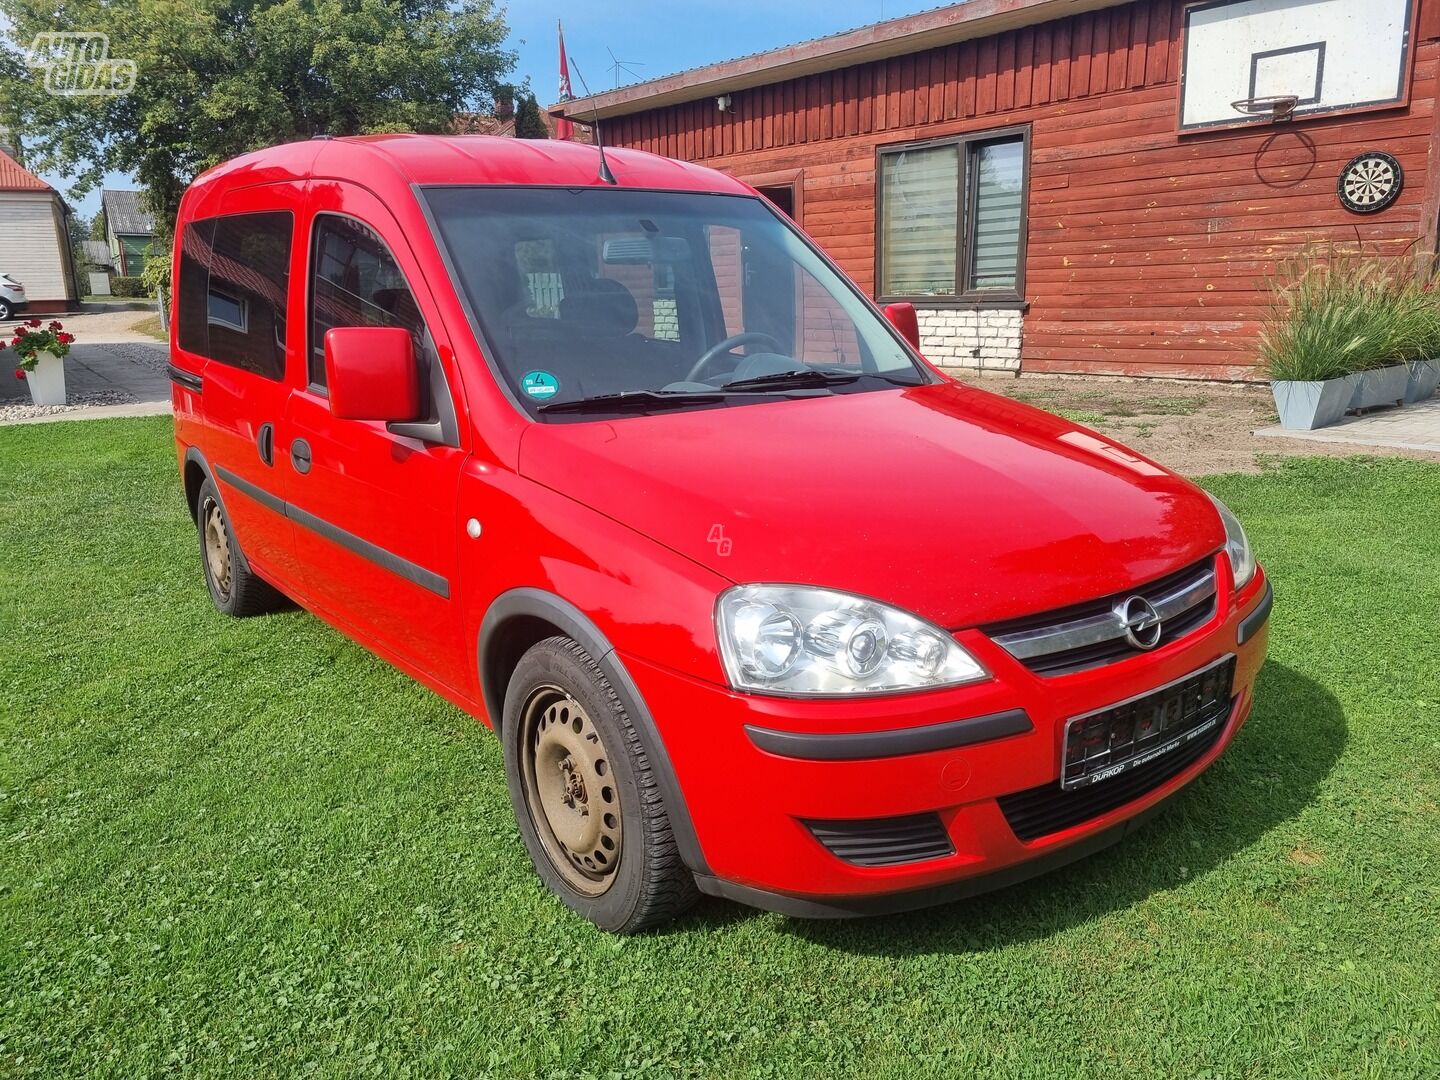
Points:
x=47 y=381
x=1382 y=386
x=1305 y=406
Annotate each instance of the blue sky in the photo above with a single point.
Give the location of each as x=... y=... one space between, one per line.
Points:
x=657 y=37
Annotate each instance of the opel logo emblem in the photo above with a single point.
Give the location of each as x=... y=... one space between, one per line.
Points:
x=1140 y=621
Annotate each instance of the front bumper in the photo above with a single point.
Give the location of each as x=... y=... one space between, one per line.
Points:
x=753 y=808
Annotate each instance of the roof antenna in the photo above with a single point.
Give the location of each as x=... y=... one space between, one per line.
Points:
x=605 y=174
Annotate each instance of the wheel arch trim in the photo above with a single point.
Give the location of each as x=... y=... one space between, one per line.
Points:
x=535 y=603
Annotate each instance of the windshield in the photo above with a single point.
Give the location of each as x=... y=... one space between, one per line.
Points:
x=666 y=299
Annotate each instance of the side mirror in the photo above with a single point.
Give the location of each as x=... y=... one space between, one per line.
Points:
x=902 y=318
x=371 y=373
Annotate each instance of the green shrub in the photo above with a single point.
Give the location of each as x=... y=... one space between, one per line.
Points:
x=156 y=276
x=1334 y=314
x=130 y=287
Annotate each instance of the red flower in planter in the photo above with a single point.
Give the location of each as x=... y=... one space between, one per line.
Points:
x=56 y=324
x=34 y=322
x=65 y=339
x=20 y=373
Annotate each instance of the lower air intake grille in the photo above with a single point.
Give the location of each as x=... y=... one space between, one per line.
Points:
x=1048 y=809
x=884 y=841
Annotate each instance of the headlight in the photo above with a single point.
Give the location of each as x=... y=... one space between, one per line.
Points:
x=1237 y=545
x=791 y=639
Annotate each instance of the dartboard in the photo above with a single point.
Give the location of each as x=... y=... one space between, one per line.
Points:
x=1370 y=182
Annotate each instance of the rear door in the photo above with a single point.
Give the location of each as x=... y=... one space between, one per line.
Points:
x=233 y=320
x=374 y=505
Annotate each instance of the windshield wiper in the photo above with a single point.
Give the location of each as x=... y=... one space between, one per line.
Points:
x=634 y=399
x=811 y=379
x=799 y=379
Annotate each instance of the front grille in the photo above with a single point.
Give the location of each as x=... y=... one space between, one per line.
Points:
x=1091 y=634
x=1115 y=756
x=884 y=841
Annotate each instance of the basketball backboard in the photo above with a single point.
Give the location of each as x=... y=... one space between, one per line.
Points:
x=1331 y=55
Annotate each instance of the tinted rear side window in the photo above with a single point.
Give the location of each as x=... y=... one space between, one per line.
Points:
x=193 y=280
x=234 y=276
x=356 y=282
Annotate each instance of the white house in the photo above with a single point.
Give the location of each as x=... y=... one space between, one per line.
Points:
x=34 y=247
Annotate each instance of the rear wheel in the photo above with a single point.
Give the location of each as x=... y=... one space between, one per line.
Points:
x=589 y=807
x=4 y=310
x=234 y=588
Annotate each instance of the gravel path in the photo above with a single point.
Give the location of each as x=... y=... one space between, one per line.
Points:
x=75 y=401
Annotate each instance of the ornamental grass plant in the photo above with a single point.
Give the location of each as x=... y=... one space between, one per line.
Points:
x=1336 y=313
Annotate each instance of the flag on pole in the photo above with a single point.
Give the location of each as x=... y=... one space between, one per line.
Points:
x=564 y=129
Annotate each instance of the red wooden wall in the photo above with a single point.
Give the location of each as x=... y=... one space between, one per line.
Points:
x=1148 y=251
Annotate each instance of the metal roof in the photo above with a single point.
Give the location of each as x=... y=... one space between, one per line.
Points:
x=126 y=213
x=97 y=251
x=14 y=177
x=894 y=37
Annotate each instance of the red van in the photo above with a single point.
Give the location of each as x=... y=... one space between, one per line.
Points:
x=759 y=603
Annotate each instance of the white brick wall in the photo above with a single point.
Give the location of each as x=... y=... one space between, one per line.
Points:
x=964 y=338
x=667 y=320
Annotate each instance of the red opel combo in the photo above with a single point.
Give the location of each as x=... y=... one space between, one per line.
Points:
x=759 y=603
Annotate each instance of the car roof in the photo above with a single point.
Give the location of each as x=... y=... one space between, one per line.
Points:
x=385 y=163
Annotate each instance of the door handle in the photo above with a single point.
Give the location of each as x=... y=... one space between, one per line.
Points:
x=265 y=443
x=300 y=456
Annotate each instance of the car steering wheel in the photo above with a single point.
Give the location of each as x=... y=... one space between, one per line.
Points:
x=730 y=344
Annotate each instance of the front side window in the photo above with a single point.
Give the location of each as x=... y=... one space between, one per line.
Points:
x=355 y=281
x=599 y=292
x=232 y=302
x=952 y=219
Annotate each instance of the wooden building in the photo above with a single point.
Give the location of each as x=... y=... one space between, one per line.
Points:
x=1065 y=185
x=34 y=238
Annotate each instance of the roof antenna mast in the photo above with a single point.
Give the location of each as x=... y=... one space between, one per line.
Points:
x=605 y=174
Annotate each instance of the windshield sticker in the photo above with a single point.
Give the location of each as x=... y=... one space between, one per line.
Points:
x=540 y=385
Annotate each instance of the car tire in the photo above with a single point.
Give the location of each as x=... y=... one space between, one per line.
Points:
x=4 y=311
x=234 y=587
x=587 y=801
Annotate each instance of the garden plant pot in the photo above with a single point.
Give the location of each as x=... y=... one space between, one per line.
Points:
x=47 y=381
x=1305 y=406
x=1381 y=386
x=1424 y=378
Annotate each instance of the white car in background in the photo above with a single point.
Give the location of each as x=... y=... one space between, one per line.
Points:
x=12 y=297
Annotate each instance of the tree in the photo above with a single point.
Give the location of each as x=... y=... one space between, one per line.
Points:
x=221 y=78
x=528 y=122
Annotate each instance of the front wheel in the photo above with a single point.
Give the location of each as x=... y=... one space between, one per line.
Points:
x=234 y=587
x=588 y=803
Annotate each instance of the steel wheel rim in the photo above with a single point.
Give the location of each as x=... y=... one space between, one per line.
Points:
x=217 y=547
x=570 y=790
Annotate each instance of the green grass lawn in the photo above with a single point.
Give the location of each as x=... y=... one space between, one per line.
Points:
x=248 y=848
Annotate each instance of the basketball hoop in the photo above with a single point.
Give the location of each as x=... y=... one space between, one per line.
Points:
x=1277 y=107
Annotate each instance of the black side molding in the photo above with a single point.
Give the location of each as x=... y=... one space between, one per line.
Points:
x=412 y=572
x=855 y=746
x=382 y=557
x=252 y=491
x=1256 y=619
x=188 y=379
